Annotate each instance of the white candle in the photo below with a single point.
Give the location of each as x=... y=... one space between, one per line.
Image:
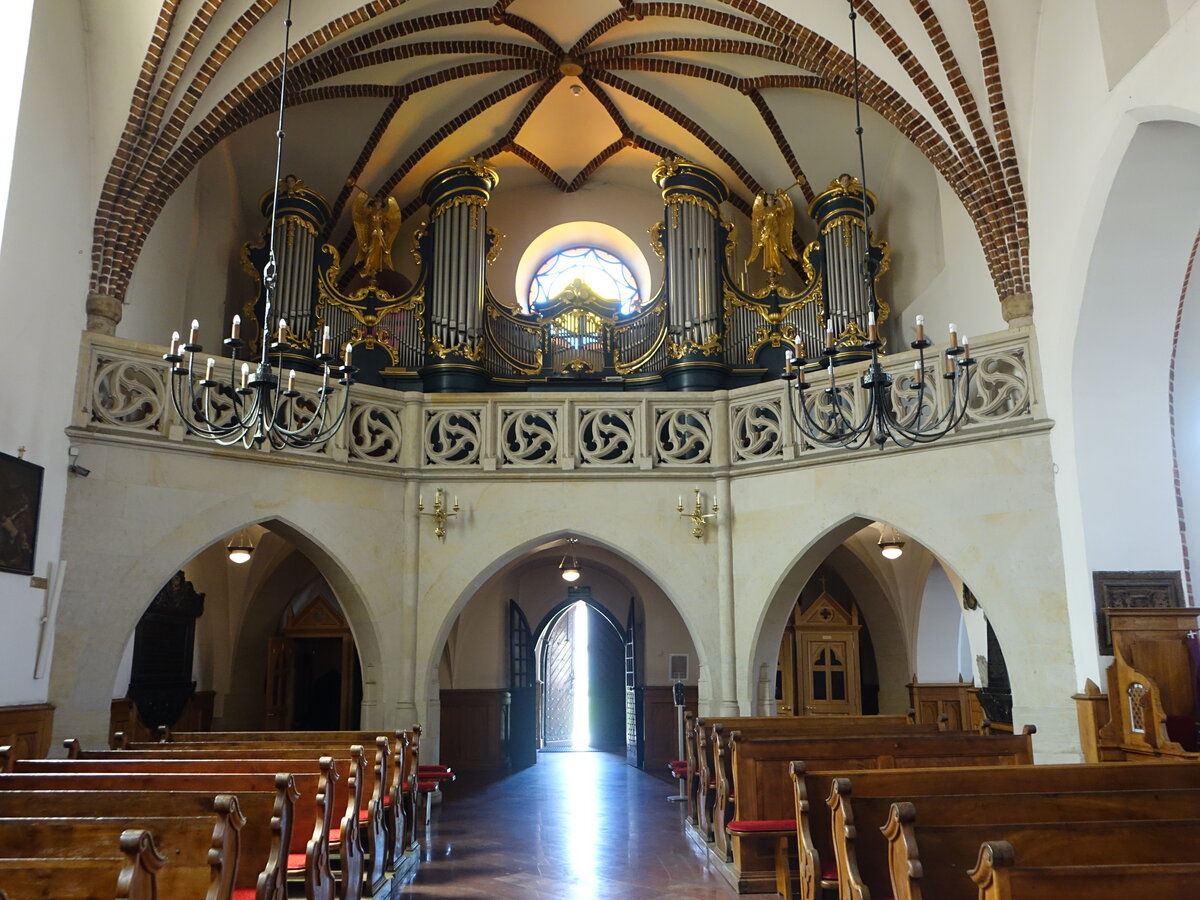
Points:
x=870 y=318
x=208 y=369
x=918 y=371
x=920 y=328
x=237 y=327
x=245 y=374
x=325 y=342
x=421 y=500
x=282 y=330
x=292 y=380
x=194 y=332
x=872 y=328
x=829 y=332
x=346 y=358
x=953 y=335
x=174 y=343
x=966 y=342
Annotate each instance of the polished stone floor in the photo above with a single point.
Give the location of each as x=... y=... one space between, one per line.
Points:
x=577 y=826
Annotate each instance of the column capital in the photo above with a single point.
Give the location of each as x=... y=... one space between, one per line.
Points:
x=1017 y=310
x=103 y=313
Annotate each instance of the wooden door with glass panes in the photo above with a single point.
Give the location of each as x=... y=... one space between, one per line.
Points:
x=827 y=676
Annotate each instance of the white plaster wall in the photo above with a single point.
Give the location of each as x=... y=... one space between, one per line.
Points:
x=938 y=630
x=1079 y=134
x=44 y=266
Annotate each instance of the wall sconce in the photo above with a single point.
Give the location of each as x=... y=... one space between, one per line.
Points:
x=240 y=548
x=439 y=514
x=698 y=517
x=570 y=572
x=73 y=467
x=892 y=549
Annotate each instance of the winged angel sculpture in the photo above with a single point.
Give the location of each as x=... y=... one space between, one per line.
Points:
x=376 y=224
x=771 y=222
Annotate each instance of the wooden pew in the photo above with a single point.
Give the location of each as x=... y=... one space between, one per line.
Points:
x=1001 y=876
x=128 y=871
x=812 y=785
x=309 y=815
x=701 y=745
x=200 y=852
x=722 y=809
x=263 y=839
x=761 y=777
x=377 y=818
x=406 y=764
x=934 y=861
x=862 y=851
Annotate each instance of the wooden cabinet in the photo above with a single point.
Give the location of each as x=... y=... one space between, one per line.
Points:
x=819 y=663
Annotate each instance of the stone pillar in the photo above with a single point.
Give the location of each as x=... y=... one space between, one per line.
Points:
x=406 y=690
x=727 y=702
x=103 y=313
x=1017 y=310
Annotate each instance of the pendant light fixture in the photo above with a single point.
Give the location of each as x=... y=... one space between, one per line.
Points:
x=570 y=571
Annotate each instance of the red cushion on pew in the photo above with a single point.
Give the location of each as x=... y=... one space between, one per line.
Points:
x=364 y=815
x=295 y=861
x=678 y=764
x=829 y=871
x=753 y=826
x=244 y=893
x=335 y=835
x=424 y=786
x=433 y=767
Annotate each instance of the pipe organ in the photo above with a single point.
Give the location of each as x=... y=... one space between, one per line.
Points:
x=300 y=218
x=694 y=245
x=458 y=249
x=702 y=329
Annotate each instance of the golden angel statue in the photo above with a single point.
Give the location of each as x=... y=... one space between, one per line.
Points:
x=771 y=223
x=376 y=225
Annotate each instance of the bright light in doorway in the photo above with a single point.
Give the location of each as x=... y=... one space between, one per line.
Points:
x=580 y=734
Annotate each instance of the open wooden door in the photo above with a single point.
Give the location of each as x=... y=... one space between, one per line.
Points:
x=521 y=685
x=634 y=745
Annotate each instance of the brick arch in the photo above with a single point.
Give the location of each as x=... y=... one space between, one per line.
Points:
x=157 y=151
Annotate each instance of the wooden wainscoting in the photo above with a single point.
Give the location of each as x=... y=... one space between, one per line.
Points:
x=27 y=729
x=475 y=730
x=660 y=723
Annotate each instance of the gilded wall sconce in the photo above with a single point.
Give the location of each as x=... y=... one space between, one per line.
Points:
x=440 y=512
x=698 y=517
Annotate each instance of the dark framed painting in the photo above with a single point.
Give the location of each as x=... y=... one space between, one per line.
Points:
x=20 y=501
x=1133 y=590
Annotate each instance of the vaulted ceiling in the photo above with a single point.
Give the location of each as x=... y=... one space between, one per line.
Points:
x=572 y=93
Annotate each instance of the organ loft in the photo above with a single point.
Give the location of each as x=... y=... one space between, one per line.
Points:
x=599 y=449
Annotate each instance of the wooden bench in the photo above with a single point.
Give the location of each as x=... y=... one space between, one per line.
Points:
x=407 y=754
x=263 y=839
x=1001 y=876
x=722 y=808
x=311 y=816
x=761 y=778
x=702 y=748
x=127 y=871
x=818 y=833
x=377 y=816
x=200 y=852
x=862 y=851
x=935 y=861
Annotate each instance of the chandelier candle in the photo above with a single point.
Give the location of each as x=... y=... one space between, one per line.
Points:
x=236 y=331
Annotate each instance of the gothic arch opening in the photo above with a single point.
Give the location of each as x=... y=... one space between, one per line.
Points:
x=907 y=640
x=269 y=643
x=494 y=667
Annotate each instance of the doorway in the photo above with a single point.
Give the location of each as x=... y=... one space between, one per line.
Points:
x=314 y=678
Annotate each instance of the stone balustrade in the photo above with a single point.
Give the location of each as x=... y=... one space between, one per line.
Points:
x=123 y=394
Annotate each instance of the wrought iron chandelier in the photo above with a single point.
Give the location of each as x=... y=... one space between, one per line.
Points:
x=253 y=408
x=834 y=416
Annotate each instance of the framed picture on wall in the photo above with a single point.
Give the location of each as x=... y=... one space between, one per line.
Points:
x=20 y=501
